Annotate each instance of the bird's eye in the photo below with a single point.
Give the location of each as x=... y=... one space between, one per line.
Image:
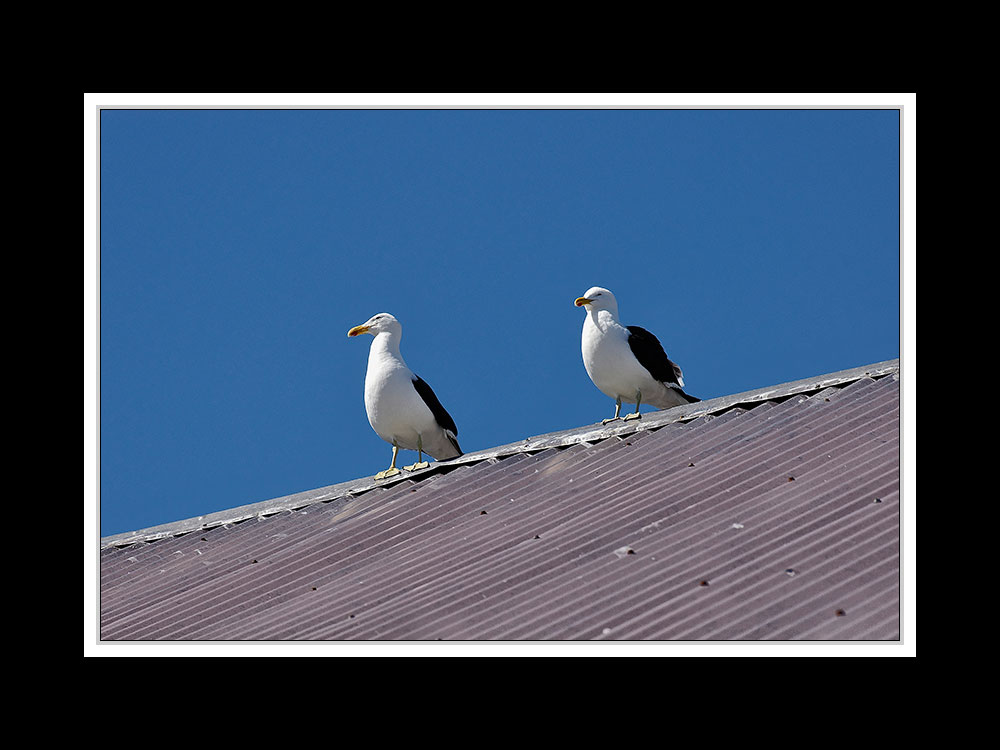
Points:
x=599 y=294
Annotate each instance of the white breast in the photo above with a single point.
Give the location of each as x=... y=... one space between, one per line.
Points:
x=395 y=410
x=609 y=360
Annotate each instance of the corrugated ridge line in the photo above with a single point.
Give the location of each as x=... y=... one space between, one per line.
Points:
x=405 y=565
x=562 y=438
x=766 y=441
x=112 y=557
x=514 y=537
x=734 y=589
x=401 y=563
x=755 y=410
x=802 y=544
x=320 y=552
x=165 y=601
x=748 y=559
x=823 y=603
x=380 y=530
x=762 y=542
x=879 y=619
x=549 y=572
x=548 y=604
x=671 y=586
x=733 y=511
x=216 y=547
x=140 y=548
x=180 y=611
x=130 y=576
x=119 y=565
x=761 y=516
x=517 y=530
x=550 y=495
x=612 y=585
x=876 y=617
x=201 y=561
x=847 y=598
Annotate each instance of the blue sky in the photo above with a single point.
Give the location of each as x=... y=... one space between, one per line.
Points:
x=238 y=246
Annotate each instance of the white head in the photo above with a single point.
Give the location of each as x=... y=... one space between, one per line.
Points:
x=598 y=298
x=376 y=324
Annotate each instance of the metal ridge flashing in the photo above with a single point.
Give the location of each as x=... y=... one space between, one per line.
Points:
x=686 y=413
x=347 y=491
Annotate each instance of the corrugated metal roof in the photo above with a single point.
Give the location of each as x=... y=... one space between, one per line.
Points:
x=768 y=515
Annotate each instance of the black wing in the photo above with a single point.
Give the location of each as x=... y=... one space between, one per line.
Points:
x=441 y=415
x=648 y=350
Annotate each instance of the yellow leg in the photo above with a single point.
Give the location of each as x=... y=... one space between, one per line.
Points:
x=618 y=408
x=420 y=464
x=636 y=415
x=392 y=470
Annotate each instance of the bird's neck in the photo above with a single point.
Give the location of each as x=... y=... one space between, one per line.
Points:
x=603 y=319
x=385 y=345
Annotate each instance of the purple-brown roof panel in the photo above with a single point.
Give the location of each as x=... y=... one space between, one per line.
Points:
x=770 y=515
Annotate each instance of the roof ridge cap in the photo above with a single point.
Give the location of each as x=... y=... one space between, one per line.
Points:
x=559 y=439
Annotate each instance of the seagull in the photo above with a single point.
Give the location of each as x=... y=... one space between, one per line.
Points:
x=402 y=408
x=627 y=363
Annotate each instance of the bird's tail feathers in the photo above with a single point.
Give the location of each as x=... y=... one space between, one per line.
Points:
x=454 y=441
x=680 y=397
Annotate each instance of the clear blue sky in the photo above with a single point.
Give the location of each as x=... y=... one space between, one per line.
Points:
x=237 y=247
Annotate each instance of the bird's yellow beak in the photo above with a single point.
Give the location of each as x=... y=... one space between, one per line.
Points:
x=581 y=301
x=357 y=330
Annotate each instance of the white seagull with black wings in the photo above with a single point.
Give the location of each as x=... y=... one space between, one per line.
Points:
x=402 y=408
x=627 y=363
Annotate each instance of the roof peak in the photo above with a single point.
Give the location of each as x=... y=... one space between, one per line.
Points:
x=346 y=491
